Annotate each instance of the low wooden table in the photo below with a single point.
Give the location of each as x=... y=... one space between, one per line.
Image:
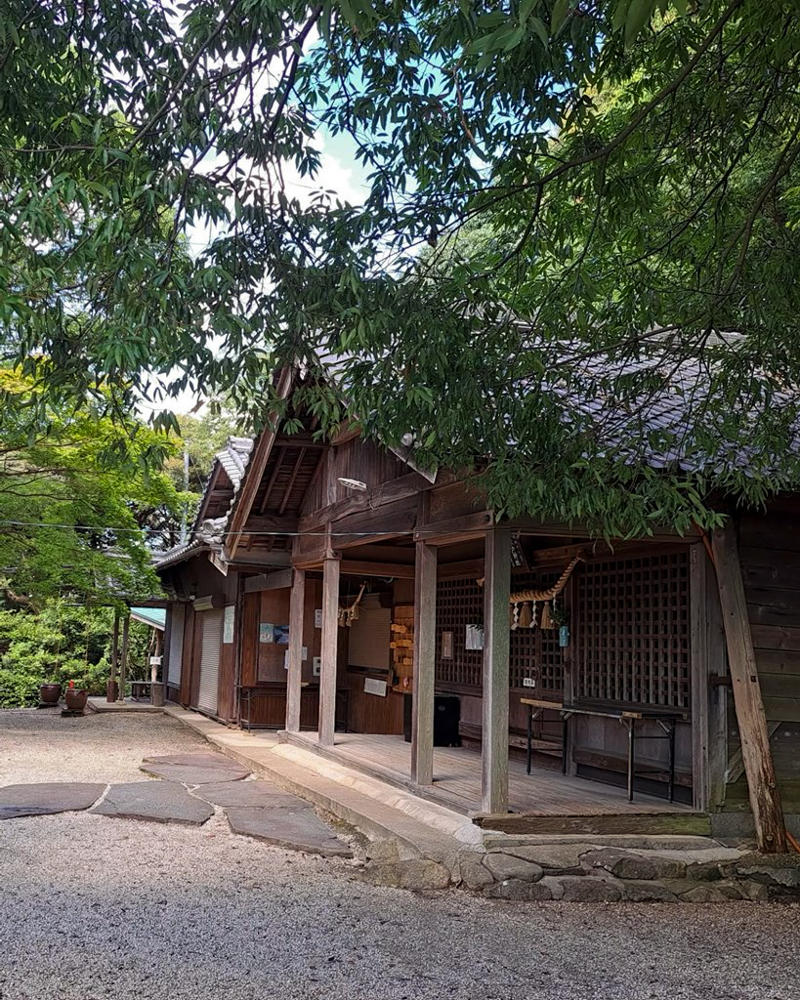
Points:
x=665 y=717
x=140 y=690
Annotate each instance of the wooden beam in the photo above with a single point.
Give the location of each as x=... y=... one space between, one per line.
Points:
x=765 y=800
x=735 y=766
x=496 y=643
x=301 y=440
x=287 y=524
x=330 y=643
x=390 y=521
x=386 y=493
x=424 y=676
x=279 y=580
x=123 y=662
x=251 y=561
x=455 y=529
x=557 y=529
x=365 y=567
x=294 y=678
x=256 y=467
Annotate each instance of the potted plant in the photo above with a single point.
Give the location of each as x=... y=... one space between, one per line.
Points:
x=49 y=694
x=75 y=697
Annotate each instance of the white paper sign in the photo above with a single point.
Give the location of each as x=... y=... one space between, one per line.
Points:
x=227 y=623
x=317 y=617
x=474 y=637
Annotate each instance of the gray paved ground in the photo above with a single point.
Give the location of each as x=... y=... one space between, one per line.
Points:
x=92 y=908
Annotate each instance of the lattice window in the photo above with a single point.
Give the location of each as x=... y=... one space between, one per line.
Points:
x=458 y=603
x=534 y=652
x=632 y=629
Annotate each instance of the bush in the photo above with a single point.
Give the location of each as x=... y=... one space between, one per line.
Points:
x=18 y=690
x=62 y=643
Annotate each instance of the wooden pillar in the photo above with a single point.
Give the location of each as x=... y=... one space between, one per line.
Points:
x=112 y=675
x=123 y=662
x=424 y=664
x=330 y=643
x=759 y=767
x=496 y=642
x=698 y=653
x=294 y=677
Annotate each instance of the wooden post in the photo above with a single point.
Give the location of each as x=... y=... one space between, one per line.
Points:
x=759 y=767
x=111 y=694
x=123 y=663
x=297 y=607
x=496 y=642
x=422 y=704
x=698 y=653
x=330 y=642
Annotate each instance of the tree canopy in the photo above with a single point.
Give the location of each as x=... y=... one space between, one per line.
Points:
x=632 y=165
x=82 y=502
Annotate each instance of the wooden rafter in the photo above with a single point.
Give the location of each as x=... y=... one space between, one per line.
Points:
x=298 y=463
x=273 y=476
x=256 y=466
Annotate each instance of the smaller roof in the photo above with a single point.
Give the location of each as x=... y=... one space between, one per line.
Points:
x=155 y=617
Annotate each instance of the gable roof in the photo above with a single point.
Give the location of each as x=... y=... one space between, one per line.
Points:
x=207 y=533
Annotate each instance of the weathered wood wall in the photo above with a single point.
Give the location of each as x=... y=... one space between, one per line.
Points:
x=769 y=550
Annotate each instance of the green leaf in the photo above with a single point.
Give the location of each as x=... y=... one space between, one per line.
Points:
x=561 y=10
x=639 y=14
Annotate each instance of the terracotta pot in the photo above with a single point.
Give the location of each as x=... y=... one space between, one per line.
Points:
x=76 y=699
x=49 y=694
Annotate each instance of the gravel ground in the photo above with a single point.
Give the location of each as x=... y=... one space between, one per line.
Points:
x=93 y=908
x=38 y=745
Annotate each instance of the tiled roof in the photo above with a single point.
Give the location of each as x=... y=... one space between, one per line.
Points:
x=208 y=534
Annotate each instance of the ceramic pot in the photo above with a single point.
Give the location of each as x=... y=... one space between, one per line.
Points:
x=76 y=699
x=49 y=694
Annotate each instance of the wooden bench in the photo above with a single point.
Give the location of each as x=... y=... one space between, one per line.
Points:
x=471 y=734
x=629 y=717
x=606 y=760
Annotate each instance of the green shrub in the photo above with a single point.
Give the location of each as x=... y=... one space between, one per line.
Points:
x=18 y=690
x=62 y=643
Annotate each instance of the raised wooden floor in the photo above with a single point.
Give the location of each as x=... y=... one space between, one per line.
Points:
x=544 y=801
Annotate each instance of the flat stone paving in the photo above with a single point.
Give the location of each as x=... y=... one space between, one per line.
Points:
x=253 y=808
x=300 y=829
x=47 y=797
x=195 y=768
x=247 y=794
x=156 y=801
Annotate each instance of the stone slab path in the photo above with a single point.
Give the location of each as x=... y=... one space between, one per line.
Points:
x=47 y=798
x=194 y=768
x=156 y=801
x=248 y=794
x=192 y=786
x=298 y=829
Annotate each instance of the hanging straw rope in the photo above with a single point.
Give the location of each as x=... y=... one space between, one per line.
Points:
x=523 y=596
x=349 y=614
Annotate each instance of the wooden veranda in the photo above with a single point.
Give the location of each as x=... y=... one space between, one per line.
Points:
x=544 y=801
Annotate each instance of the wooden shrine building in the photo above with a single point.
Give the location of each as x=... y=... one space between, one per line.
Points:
x=510 y=669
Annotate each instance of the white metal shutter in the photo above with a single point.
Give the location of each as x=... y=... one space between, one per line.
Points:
x=370 y=635
x=209 y=661
x=175 y=657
